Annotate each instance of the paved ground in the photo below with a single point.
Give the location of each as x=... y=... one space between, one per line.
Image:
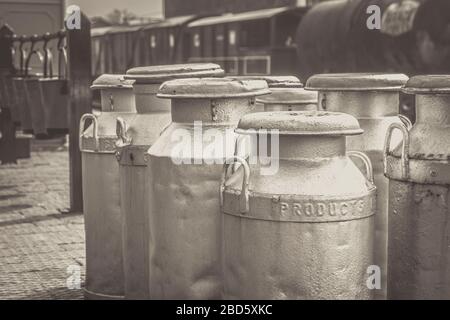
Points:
x=41 y=249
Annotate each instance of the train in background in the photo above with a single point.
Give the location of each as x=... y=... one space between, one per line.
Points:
x=331 y=36
x=414 y=38
x=247 y=43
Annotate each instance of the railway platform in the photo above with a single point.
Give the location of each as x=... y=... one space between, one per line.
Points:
x=42 y=253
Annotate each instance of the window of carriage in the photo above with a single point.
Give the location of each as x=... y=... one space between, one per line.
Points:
x=152 y=41
x=196 y=40
x=171 y=40
x=232 y=37
x=255 y=33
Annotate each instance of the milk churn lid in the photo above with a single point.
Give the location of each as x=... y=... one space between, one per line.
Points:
x=428 y=84
x=274 y=81
x=106 y=81
x=204 y=88
x=161 y=73
x=357 y=82
x=289 y=96
x=301 y=123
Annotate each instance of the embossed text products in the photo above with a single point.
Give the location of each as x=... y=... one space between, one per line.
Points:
x=419 y=196
x=136 y=135
x=100 y=174
x=185 y=165
x=305 y=232
x=374 y=100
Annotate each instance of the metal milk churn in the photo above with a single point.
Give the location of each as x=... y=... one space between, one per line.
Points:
x=101 y=192
x=185 y=166
x=135 y=137
x=305 y=229
x=285 y=97
x=286 y=94
x=374 y=100
x=419 y=195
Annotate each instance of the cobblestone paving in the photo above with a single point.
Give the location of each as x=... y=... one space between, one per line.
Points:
x=41 y=248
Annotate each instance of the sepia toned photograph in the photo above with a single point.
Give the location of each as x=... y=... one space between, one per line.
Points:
x=224 y=154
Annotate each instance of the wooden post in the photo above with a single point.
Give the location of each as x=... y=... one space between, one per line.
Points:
x=8 y=141
x=79 y=72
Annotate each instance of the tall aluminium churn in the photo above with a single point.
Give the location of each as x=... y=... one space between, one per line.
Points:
x=185 y=165
x=419 y=195
x=135 y=137
x=374 y=100
x=101 y=191
x=304 y=230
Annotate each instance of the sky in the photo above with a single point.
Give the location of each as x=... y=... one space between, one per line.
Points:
x=145 y=8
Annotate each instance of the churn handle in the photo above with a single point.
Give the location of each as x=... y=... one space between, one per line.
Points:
x=244 y=196
x=405 y=147
x=405 y=121
x=83 y=119
x=122 y=133
x=367 y=163
x=236 y=150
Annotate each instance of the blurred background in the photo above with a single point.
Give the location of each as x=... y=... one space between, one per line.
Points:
x=253 y=37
